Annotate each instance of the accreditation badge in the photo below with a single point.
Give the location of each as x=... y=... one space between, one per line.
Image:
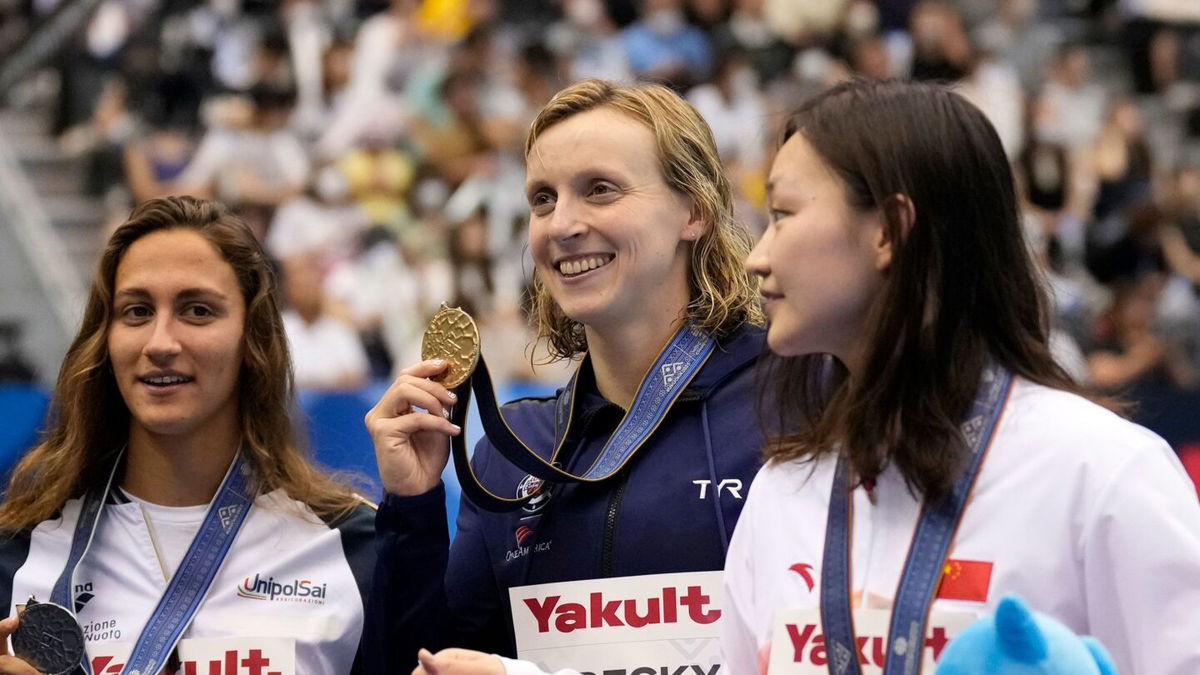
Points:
x=209 y=656
x=657 y=623
x=798 y=644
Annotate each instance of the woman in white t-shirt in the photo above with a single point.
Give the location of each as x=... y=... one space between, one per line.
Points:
x=912 y=332
x=170 y=452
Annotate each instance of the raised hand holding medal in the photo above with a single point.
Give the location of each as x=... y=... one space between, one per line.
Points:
x=412 y=446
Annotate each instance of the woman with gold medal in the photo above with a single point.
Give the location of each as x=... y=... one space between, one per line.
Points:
x=638 y=265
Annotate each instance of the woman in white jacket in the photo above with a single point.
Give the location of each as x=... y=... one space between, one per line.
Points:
x=948 y=460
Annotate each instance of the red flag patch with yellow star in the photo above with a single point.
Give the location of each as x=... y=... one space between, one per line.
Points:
x=965 y=580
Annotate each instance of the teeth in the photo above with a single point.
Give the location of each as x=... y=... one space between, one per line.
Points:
x=172 y=379
x=572 y=267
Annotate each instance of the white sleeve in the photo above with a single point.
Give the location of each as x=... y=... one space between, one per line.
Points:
x=739 y=646
x=1141 y=562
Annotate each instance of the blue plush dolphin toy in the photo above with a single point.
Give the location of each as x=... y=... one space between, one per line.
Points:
x=1018 y=641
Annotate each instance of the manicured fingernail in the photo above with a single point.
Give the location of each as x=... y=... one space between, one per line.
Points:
x=456 y=427
x=445 y=413
x=453 y=396
x=438 y=362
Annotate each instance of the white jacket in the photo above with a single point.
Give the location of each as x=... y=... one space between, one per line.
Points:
x=1088 y=517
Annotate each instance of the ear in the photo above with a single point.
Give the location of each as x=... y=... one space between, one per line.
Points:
x=697 y=224
x=897 y=214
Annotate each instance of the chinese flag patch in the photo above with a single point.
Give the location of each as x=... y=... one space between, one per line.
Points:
x=965 y=580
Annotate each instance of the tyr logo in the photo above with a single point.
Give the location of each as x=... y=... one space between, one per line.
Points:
x=734 y=486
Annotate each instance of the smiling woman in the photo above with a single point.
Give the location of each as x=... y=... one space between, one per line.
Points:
x=638 y=268
x=170 y=455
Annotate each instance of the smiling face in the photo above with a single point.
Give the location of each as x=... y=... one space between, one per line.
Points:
x=175 y=335
x=609 y=237
x=821 y=259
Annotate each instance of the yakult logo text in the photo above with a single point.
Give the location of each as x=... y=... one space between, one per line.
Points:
x=600 y=612
x=808 y=645
x=234 y=662
x=296 y=590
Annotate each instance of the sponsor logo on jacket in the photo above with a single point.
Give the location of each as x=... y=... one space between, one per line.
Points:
x=808 y=645
x=295 y=590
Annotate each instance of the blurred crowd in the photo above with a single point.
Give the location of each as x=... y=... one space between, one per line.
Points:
x=377 y=147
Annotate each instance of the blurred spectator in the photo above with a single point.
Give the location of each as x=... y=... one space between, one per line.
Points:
x=749 y=31
x=323 y=219
x=15 y=368
x=941 y=49
x=457 y=146
x=662 y=46
x=1122 y=161
x=735 y=109
x=1126 y=349
x=1071 y=107
x=376 y=176
x=588 y=37
x=326 y=353
x=251 y=159
x=1017 y=36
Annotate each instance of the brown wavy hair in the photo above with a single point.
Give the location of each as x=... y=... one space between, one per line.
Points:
x=89 y=421
x=961 y=289
x=723 y=295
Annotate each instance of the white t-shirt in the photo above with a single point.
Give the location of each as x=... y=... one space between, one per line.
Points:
x=290 y=592
x=1088 y=517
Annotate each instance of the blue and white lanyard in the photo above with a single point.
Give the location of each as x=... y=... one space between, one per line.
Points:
x=676 y=366
x=926 y=555
x=191 y=581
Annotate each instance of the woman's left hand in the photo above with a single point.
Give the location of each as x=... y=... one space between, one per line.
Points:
x=457 y=662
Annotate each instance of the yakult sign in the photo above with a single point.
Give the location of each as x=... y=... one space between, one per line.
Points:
x=645 y=624
x=798 y=643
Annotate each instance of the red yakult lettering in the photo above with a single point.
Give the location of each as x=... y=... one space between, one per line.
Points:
x=808 y=646
x=602 y=612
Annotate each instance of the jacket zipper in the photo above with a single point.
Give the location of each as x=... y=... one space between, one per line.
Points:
x=610 y=527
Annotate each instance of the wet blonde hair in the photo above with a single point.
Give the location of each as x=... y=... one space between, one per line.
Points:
x=723 y=295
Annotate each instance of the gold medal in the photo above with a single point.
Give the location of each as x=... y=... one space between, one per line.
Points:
x=452 y=335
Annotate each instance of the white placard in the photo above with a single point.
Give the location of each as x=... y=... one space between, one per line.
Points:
x=639 y=625
x=209 y=656
x=798 y=641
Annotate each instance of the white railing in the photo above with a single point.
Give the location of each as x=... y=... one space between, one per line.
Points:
x=40 y=242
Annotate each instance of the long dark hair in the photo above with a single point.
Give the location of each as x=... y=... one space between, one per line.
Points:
x=89 y=421
x=961 y=289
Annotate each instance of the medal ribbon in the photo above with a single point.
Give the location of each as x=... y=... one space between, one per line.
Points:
x=190 y=583
x=926 y=555
x=675 y=368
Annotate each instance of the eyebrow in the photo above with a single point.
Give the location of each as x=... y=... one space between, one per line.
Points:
x=533 y=186
x=185 y=294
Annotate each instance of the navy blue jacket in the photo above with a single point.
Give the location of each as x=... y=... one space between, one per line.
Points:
x=671 y=509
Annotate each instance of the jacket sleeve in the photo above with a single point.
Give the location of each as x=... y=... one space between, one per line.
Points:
x=426 y=593
x=1141 y=560
x=407 y=606
x=476 y=608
